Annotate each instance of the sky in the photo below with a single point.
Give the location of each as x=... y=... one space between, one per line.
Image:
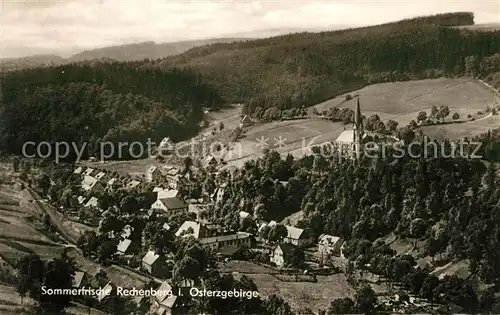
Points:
x=65 y=27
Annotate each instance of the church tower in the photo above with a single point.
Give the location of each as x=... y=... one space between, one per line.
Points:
x=358 y=129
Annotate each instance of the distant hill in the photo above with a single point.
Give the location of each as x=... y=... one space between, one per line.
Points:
x=129 y=52
x=10 y=64
x=145 y=50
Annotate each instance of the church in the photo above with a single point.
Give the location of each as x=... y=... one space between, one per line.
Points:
x=349 y=141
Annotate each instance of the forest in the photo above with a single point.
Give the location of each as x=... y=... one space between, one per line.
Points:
x=307 y=68
x=98 y=101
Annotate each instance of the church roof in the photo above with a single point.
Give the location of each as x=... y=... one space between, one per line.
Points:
x=347 y=136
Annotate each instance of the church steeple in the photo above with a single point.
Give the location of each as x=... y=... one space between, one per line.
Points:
x=358 y=121
x=358 y=128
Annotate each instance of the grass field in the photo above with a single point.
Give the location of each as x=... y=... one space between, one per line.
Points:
x=298 y=294
x=401 y=101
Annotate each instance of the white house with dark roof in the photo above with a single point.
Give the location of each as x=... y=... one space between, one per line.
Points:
x=88 y=182
x=297 y=237
x=170 y=205
x=329 y=245
x=88 y=171
x=100 y=175
x=282 y=254
x=78 y=170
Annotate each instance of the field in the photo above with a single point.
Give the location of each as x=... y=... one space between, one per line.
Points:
x=298 y=294
x=401 y=101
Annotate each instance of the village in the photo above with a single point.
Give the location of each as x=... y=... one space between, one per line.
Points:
x=285 y=248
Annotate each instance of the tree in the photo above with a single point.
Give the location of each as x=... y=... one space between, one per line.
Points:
x=341 y=306
x=277 y=306
x=129 y=205
x=422 y=117
x=366 y=300
x=444 y=111
x=58 y=275
x=392 y=125
x=221 y=126
x=429 y=287
x=30 y=272
x=297 y=257
x=277 y=232
x=15 y=163
x=406 y=134
x=455 y=116
x=434 y=112
x=43 y=183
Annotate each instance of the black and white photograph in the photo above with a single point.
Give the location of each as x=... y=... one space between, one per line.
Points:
x=235 y=157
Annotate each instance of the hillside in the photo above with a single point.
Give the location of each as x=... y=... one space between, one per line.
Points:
x=90 y=104
x=308 y=68
x=145 y=50
x=128 y=52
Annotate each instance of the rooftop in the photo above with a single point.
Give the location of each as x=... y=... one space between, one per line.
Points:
x=150 y=258
x=173 y=203
x=224 y=238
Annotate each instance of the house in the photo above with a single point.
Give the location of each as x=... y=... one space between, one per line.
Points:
x=210 y=161
x=165 y=143
x=219 y=242
x=192 y=208
x=81 y=200
x=220 y=193
x=191 y=228
x=132 y=184
x=155 y=264
x=244 y=214
x=112 y=183
x=297 y=237
x=100 y=175
x=349 y=142
x=282 y=254
x=153 y=174
x=165 y=303
x=123 y=246
x=88 y=171
x=127 y=231
x=79 y=279
x=329 y=245
x=166 y=227
x=170 y=205
x=78 y=170
x=167 y=193
x=245 y=121
x=88 y=182
x=93 y=202
x=105 y=292
x=157 y=189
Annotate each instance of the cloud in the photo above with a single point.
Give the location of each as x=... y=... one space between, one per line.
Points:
x=69 y=26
